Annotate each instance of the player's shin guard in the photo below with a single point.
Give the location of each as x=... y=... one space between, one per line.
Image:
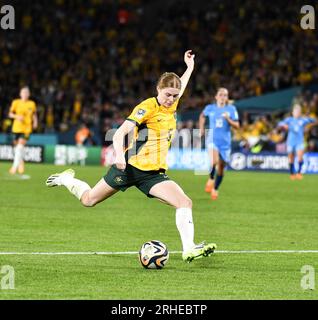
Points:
x=75 y=186
x=218 y=182
x=185 y=227
x=291 y=168
x=18 y=155
x=300 y=165
x=212 y=173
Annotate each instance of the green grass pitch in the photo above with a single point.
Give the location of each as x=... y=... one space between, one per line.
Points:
x=255 y=211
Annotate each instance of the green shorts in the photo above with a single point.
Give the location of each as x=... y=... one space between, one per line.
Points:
x=17 y=136
x=131 y=176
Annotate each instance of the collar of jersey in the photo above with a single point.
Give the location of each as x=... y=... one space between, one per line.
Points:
x=163 y=108
x=221 y=107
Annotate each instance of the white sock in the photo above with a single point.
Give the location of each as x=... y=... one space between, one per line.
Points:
x=75 y=186
x=186 y=228
x=18 y=155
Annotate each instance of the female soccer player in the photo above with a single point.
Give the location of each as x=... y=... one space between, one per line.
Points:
x=143 y=164
x=295 y=139
x=23 y=111
x=222 y=116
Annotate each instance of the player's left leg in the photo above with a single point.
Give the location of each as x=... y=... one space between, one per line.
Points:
x=171 y=193
x=21 y=167
x=224 y=155
x=300 y=157
x=218 y=180
x=18 y=156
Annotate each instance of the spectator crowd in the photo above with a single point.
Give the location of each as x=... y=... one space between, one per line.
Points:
x=92 y=61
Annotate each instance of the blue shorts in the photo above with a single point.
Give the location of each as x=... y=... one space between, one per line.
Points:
x=294 y=147
x=225 y=153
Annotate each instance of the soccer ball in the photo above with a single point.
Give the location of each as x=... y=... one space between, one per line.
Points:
x=153 y=254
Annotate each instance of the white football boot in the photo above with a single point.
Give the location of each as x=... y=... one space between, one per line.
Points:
x=56 y=179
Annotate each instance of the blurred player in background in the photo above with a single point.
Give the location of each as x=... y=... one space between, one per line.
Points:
x=222 y=116
x=23 y=113
x=144 y=164
x=295 y=139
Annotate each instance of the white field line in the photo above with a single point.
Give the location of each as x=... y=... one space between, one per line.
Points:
x=109 y=253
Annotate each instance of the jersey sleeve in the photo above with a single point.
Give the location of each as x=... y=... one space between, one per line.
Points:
x=141 y=112
x=309 y=120
x=234 y=114
x=283 y=122
x=206 y=110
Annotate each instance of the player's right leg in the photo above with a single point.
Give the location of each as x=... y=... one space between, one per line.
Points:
x=219 y=179
x=214 y=159
x=88 y=196
x=18 y=154
x=13 y=168
x=171 y=193
x=291 y=160
x=100 y=192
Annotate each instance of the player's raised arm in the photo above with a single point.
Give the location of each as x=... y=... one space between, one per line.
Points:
x=189 y=61
x=118 y=142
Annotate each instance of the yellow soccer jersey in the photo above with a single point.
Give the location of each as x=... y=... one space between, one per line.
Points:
x=26 y=109
x=155 y=129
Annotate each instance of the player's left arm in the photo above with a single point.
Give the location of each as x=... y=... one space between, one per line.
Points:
x=189 y=61
x=310 y=122
x=35 y=120
x=232 y=118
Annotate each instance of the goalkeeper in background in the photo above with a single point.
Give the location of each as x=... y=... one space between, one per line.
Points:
x=23 y=113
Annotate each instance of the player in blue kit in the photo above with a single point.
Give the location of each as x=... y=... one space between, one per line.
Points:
x=295 y=139
x=222 y=117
